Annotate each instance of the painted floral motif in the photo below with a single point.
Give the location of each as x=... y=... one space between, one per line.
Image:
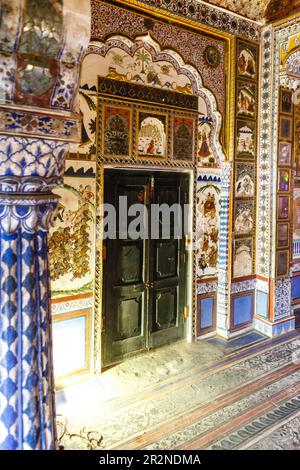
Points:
x=72 y=237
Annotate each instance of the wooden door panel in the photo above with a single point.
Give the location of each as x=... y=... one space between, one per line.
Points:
x=129 y=263
x=129 y=318
x=125 y=274
x=165 y=313
x=166 y=254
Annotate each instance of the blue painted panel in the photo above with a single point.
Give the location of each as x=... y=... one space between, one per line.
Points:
x=262 y=306
x=207 y=312
x=296 y=287
x=242 y=309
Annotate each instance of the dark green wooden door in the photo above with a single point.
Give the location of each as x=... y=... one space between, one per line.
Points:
x=144 y=292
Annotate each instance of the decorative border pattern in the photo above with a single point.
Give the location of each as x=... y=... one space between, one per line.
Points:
x=39 y=125
x=207 y=15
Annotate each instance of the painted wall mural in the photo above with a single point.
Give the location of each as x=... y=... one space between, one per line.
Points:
x=189 y=45
x=245 y=180
x=208 y=226
x=72 y=242
x=183 y=138
x=244 y=208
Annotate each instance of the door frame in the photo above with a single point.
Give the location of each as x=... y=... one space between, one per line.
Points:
x=189 y=278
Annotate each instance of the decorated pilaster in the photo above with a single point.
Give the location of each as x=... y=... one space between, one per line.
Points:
x=41 y=46
x=224 y=279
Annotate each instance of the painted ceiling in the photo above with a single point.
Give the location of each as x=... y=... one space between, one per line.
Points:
x=258 y=10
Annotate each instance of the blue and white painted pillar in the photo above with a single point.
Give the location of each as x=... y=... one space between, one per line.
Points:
x=39 y=119
x=27 y=409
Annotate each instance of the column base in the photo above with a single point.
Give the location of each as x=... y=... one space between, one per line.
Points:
x=273 y=329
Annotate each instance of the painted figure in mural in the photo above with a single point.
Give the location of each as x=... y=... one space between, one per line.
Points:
x=245 y=186
x=250 y=69
x=210 y=206
x=244 y=221
x=152 y=138
x=246 y=64
x=151 y=148
x=208 y=230
x=204 y=150
x=246 y=102
x=245 y=142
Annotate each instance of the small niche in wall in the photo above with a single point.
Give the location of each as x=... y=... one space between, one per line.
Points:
x=242 y=310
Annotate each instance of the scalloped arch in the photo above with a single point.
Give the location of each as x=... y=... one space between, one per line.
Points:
x=168 y=55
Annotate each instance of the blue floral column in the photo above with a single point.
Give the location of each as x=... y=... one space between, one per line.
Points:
x=41 y=48
x=28 y=170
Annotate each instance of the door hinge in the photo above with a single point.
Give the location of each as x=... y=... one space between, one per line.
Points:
x=186 y=312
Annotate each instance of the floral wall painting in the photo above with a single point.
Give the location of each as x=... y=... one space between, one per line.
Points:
x=152 y=135
x=88 y=107
x=72 y=236
x=286 y=128
x=243 y=252
x=245 y=140
x=204 y=152
x=244 y=218
x=284 y=177
x=246 y=99
x=282 y=263
x=117 y=131
x=283 y=207
x=244 y=186
x=183 y=138
x=285 y=153
x=246 y=61
x=208 y=228
x=286 y=103
x=283 y=235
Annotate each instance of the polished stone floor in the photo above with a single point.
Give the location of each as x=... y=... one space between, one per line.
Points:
x=244 y=394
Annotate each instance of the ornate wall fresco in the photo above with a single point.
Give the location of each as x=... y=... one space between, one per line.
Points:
x=208 y=225
x=244 y=218
x=72 y=238
x=193 y=48
x=159 y=62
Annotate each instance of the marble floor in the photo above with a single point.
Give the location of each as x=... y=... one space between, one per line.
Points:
x=244 y=394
